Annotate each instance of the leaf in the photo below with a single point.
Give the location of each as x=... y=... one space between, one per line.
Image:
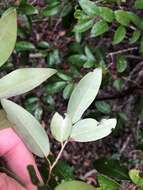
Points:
x=24 y=46
x=83 y=25
x=119 y=35
x=52 y=9
x=89 y=7
x=28 y=128
x=23 y=80
x=138 y=4
x=135 y=177
x=4 y=123
x=89 y=53
x=103 y=107
x=87 y=130
x=66 y=9
x=68 y=90
x=112 y=168
x=64 y=171
x=84 y=94
x=77 y=59
x=55 y=87
x=99 y=28
x=64 y=76
x=8 y=34
x=118 y=84
x=74 y=185
x=106 y=13
x=121 y=63
x=123 y=17
x=136 y=35
x=28 y=9
x=61 y=127
x=107 y=183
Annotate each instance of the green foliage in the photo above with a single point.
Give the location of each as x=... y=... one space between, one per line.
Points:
x=100 y=15
x=73 y=185
x=107 y=183
x=136 y=178
x=8 y=34
x=112 y=168
x=75 y=37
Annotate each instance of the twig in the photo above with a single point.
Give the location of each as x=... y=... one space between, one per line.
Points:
x=127 y=92
x=125 y=144
x=121 y=51
x=112 y=54
x=56 y=161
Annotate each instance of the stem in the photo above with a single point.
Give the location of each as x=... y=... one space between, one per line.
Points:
x=51 y=167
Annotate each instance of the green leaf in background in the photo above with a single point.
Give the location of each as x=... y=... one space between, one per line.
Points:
x=74 y=185
x=55 y=87
x=136 y=35
x=121 y=63
x=4 y=123
x=83 y=25
x=103 y=107
x=138 y=4
x=107 y=183
x=8 y=34
x=123 y=17
x=89 y=7
x=64 y=76
x=118 y=84
x=106 y=13
x=61 y=127
x=84 y=94
x=28 y=128
x=64 y=171
x=52 y=9
x=28 y=9
x=68 y=90
x=99 y=28
x=24 y=46
x=77 y=59
x=87 y=130
x=112 y=168
x=136 y=178
x=66 y=9
x=89 y=53
x=119 y=35
x=23 y=80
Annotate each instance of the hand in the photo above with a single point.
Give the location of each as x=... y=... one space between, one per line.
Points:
x=13 y=150
x=7 y=183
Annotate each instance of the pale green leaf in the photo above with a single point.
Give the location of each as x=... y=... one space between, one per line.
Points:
x=8 y=34
x=61 y=127
x=28 y=128
x=87 y=130
x=74 y=185
x=84 y=94
x=23 y=80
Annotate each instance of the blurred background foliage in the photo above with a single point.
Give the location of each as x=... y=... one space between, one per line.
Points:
x=75 y=37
